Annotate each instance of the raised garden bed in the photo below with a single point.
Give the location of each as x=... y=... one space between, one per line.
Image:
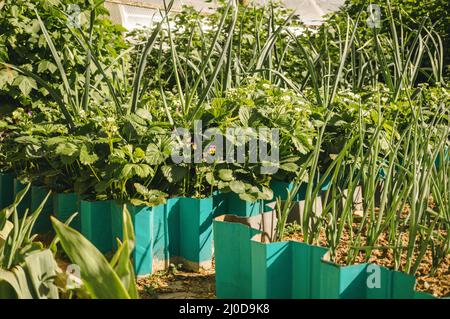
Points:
x=249 y=266
x=336 y=137
x=178 y=232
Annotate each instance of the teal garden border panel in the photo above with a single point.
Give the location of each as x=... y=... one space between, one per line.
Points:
x=178 y=232
x=239 y=207
x=249 y=268
x=220 y=203
x=64 y=206
x=195 y=235
x=38 y=194
x=191 y=226
x=26 y=201
x=96 y=224
x=31 y=201
x=445 y=156
x=142 y=219
x=153 y=236
x=271 y=270
x=6 y=189
x=365 y=281
x=246 y=267
x=232 y=251
x=281 y=189
x=306 y=270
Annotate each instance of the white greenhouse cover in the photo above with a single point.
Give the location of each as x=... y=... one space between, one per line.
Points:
x=135 y=13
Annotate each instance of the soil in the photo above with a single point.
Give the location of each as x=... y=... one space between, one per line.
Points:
x=437 y=283
x=178 y=284
x=168 y=284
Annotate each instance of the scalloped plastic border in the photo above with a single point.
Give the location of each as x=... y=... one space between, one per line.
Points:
x=247 y=268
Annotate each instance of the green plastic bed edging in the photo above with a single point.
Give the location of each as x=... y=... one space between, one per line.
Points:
x=96 y=223
x=232 y=249
x=179 y=231
x=247 y=268
x=239 y=207
x=281 y=189
x=6 y=189
x=26 y=201
x=38 y=194
x=437 y=162
x=196 y=231
x=32 y=200
x=142 y=219
x=64 y=206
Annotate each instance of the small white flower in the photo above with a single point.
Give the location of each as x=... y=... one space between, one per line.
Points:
x=286 y=98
